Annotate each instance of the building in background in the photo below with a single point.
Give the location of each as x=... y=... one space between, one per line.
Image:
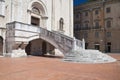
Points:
x=98 y=22
x=18 y=18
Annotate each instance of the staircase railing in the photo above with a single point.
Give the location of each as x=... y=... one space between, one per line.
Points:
x=26 y=31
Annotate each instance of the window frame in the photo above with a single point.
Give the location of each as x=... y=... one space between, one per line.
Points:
x=108 y=9
x=96 y=12
x=97 y=34
x=108 y=23
x=108 y=34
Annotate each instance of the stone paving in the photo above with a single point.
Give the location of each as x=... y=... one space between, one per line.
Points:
x=51 y=68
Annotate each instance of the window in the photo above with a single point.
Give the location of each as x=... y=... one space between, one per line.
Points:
x=86 y=25
x=108 y=10
x=108 y=34
x=2 y=7
x=96 y=24
x=96 y=34
x=96 y=12
x=108 y=24
x=85 y=35
x=76 y=26
x=35 y=21
x=77 y=15
x=86 y=13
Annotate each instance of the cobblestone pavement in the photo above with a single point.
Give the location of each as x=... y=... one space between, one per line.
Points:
x=46 y=68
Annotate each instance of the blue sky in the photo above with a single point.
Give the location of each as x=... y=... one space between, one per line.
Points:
x=77 y=2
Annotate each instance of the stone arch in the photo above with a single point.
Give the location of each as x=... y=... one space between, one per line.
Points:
x=39 y=7
x=40 y=47
x=38 y=13
x=1 y=45
x=41 y=4
x=45 y=39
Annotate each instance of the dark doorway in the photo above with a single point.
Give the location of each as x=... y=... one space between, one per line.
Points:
x=1 y=45
x=109 y=47
x=86 y=45
x=44 y=47
x=35 y=21
x=97 y=47
x=28 y=49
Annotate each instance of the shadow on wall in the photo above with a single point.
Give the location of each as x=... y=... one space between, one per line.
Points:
x=1 y=45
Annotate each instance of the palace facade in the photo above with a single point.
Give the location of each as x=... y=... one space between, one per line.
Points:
x=98 y=22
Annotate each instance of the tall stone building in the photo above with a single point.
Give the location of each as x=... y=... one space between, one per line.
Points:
x=98 y=22
x=22 y=23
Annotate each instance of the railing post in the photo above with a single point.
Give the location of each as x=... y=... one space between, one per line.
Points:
x=83 y=43
x=74 y=44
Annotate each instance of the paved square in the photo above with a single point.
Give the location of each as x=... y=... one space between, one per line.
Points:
x=46 y=68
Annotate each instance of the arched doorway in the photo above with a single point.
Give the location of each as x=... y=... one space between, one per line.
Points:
x=38 y=14
x=1 y=45
x=39 y=47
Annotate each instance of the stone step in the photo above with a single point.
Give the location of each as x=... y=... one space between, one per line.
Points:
x=88 y=56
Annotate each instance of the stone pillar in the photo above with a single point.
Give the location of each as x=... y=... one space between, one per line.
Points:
x=44 y=22
x=14 y=48
x=19 y=50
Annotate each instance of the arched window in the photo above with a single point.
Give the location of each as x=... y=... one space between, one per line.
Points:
x=36 y=10
x=61 y=23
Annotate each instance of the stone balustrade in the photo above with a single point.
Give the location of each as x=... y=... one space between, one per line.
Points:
x=18 y=32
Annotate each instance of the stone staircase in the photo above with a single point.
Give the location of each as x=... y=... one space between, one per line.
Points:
x=87 y=56
x=73 y=49
x=18 y=33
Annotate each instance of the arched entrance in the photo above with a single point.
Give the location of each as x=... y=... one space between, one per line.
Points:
x=39 y=47
x=1 y=45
